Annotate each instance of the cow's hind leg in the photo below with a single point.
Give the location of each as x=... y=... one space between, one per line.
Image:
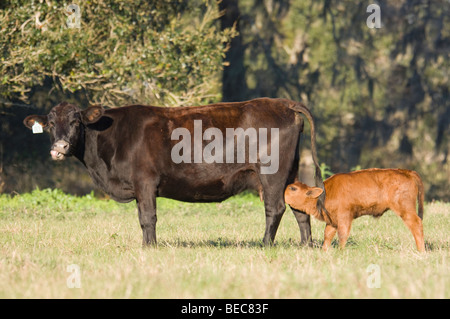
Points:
x=274 y=207
x=304 y=223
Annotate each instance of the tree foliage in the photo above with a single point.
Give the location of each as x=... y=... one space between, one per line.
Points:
x=161 y=52
x=380 y=96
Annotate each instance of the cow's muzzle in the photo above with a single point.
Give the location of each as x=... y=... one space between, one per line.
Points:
x=59 y=150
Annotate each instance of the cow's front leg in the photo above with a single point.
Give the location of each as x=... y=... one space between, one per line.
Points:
x=146 y=203
x=147 y=219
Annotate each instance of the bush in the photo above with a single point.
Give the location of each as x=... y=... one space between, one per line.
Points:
x=153 y=52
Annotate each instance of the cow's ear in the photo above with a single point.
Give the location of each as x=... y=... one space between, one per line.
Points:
x=314 y=192
x=30 y=120
x=92 y=114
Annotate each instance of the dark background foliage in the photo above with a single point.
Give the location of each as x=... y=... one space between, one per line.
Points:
x=380 y=96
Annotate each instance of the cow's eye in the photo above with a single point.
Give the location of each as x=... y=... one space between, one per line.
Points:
x=51 y=124
x=292 y=188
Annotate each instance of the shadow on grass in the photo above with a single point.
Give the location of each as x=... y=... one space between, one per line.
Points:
x=429 y=246
x=221 y=242
x=434 y=246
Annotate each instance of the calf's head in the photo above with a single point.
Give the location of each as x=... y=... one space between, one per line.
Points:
x=64 y=123
x=302 y=197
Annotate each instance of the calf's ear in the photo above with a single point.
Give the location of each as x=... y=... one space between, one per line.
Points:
x=92 y=114
x=314 y=192
x=30 y=120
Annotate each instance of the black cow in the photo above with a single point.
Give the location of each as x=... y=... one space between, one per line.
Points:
x=194 y=154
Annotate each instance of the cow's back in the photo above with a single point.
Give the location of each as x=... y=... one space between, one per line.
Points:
x=218 y=181
x=138 y=142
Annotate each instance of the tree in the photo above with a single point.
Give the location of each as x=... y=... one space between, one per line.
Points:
x=380 y=96
x=234 y=87
x=160 y=52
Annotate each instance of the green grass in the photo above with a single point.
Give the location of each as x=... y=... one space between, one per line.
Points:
x=208 y=251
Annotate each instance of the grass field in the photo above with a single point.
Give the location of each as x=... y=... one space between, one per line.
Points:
x=51 y=243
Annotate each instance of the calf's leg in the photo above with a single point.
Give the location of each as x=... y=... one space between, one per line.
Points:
x=330 y=231
x=343 y=230
x=414 y=223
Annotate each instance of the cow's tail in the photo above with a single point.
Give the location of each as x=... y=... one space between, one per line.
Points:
x=420 y=193
x=301 y=108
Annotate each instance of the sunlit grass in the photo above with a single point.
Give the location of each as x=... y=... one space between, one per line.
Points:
x=208 y=251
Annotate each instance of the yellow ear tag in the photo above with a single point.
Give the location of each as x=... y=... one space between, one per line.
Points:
x=37 y=128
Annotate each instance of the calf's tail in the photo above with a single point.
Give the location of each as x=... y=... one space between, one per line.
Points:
x=420 y=193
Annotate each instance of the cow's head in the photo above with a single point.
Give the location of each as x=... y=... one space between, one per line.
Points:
x=64 y=125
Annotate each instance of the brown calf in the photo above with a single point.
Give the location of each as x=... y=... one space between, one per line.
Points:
x=365 y=192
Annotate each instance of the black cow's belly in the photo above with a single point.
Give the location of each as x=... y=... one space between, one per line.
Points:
x=119 y=189
x=215 y=188
x=198 y=194
x=123 y=195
